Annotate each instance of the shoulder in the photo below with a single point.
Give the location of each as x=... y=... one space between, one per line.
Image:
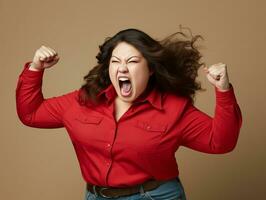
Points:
x=72 y=95
x=169 y=98
x=66 y=98
x=175 y=102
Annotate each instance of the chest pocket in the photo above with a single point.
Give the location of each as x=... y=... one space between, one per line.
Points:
x=89 y=119
x=88 y=130
x=147 y=135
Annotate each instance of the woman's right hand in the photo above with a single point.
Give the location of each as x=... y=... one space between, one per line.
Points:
x=44 y=57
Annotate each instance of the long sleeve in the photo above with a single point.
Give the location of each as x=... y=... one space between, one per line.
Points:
x=32 y=109
x=213 y=135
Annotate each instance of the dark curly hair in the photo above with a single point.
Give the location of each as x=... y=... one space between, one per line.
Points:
x=174 y=60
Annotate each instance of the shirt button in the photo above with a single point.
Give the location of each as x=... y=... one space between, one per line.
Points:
x=108 y=145
x=148 y=127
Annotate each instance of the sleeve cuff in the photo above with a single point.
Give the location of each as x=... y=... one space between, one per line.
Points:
x=30 y=73
x=29 y=76
x=225 y=97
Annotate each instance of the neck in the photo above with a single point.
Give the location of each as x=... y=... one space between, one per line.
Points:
x=120 y=107
x=119 y=102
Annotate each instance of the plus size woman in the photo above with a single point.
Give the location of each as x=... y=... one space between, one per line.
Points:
x=133 y=112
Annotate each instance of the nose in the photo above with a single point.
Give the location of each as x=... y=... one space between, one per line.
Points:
x=123 y=68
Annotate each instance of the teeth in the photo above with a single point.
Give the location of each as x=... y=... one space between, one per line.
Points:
x=123 y=79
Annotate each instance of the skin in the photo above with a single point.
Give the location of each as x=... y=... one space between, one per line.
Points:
x=44 y=57
x=217 y=75
x=127 y=61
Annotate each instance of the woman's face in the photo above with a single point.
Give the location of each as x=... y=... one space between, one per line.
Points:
x=128 y=71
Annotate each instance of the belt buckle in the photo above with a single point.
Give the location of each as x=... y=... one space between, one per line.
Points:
x=100 y=192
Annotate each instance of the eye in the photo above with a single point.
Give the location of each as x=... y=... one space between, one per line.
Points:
x=133 y=61
x=114 y=61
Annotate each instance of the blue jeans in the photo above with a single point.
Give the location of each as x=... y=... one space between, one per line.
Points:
x=171 y=190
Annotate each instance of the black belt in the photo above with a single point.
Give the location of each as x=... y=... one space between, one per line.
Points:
x=112 y=192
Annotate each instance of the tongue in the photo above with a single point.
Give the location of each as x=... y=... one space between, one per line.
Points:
x=126 y=88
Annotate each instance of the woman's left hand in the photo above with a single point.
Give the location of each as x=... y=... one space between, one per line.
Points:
x=218 y=76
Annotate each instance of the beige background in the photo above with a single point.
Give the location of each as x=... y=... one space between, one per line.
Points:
x=41 y=163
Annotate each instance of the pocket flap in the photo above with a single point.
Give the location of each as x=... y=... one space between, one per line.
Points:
x=89 y=119
x=151 y=126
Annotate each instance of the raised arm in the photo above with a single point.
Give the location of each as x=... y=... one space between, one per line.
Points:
x=220 y=133
x=32 y=109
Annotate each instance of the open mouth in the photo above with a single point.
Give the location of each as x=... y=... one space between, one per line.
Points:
x=125 y=87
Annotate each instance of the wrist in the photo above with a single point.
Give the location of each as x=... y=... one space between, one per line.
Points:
x=225 y=88
x=32 y=67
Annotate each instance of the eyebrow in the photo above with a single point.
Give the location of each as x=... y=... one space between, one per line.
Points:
x=127 y=59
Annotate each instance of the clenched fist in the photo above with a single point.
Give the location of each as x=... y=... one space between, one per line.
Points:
x=218 y=76
x=44 y=57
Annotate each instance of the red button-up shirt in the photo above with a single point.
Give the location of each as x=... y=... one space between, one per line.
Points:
x=139 y=146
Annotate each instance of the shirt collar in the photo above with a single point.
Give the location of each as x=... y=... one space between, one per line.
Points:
x=152 y=95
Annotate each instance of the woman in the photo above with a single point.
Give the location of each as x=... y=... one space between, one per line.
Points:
x=133 y=112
